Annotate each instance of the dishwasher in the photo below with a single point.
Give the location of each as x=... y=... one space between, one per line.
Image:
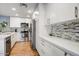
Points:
x=8 y=45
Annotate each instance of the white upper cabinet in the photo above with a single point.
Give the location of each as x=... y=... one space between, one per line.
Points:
x=15 y=21
x=59 y=12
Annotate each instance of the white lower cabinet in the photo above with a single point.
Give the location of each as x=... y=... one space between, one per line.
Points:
x=46 y=49
x=3 y=43
x=13 y=39
x=2 y=50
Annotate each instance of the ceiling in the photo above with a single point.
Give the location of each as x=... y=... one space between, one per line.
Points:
x=6 y=9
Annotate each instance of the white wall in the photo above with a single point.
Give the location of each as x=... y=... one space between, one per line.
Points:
x=56 y=12
x=59 y=12
x=42 y=20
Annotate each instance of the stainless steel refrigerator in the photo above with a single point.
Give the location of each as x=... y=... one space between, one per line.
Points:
x=33 y=33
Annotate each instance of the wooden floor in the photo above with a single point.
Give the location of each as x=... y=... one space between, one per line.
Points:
x=23 y=49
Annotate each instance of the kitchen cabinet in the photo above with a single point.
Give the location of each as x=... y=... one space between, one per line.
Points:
x=2 y=45
x=46 y=49
x=7 y=40
x=54 y=46
x=5 y=45
x=15 y=22
x=39 y=47
x=13 y=39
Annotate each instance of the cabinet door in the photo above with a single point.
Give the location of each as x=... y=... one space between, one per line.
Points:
x=2 y=52
x=13 y=39
x=39 y=47
x=54 y=51
x=41 y=51
x=15 y=22
x=50 y=49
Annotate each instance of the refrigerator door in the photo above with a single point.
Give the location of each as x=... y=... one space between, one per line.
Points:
x=33 y=39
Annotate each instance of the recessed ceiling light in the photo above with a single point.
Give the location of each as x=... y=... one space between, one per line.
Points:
x=23 y=4
x=29 y=11
x=17 y=14
x=14 y=9
x=36 y=12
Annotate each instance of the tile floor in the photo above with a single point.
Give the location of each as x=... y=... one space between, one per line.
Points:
x=23 y=49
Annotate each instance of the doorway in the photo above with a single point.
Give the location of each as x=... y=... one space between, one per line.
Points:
x=25 y=31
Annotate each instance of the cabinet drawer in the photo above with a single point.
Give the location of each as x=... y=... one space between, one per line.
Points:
x=40 y=49
x=50 y=49
x=42 y=52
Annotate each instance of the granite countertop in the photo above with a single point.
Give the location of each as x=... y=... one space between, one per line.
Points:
x=68 y=46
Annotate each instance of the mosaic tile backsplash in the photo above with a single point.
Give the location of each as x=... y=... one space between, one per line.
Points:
x=67 y=30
